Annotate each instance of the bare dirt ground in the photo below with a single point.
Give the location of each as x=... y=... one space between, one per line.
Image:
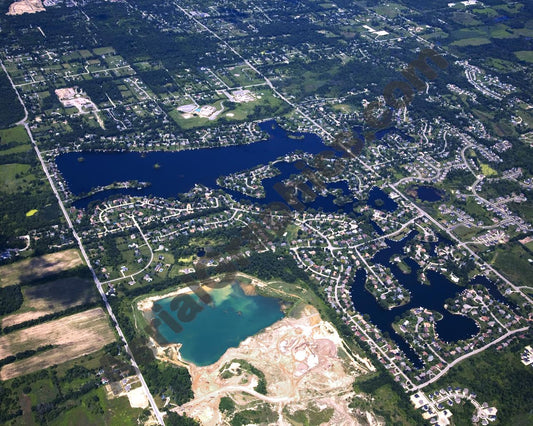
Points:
x=138 y=398
x=74 y=336
x=54 y=296
x=38 y=267
x=131 y=388
x=73 y=97
x=25 y=6
x=300 y=360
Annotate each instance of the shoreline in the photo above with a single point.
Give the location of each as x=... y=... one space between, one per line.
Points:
x=145 y=305
x=172 y=351
x=291 y=134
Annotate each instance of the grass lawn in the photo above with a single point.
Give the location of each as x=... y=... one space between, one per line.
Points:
x=487 y=170
x=404 y=267
x=104 y=50
x=465 y=233
x=14 y=134
x=242 y=75
x=513 y=261
x=474 y=41
x=477 y=211
x=529 y=245
x=13 y=177
x=117 y=412
x=525 y=55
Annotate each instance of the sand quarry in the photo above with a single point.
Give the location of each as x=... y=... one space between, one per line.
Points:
x=25 y=6
x=303 y=362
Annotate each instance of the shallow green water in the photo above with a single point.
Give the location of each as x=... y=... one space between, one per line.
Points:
x=232 y=317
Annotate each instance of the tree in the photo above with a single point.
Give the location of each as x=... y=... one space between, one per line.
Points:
x=174 y=419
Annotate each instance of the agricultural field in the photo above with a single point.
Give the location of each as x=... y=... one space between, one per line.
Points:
x=71 y=337
x=74 y=390
x=51 y=297
x=39 y=267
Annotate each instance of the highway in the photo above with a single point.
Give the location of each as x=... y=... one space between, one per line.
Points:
x=24 y=123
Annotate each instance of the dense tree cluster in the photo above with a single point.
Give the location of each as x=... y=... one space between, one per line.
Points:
x=174 y=419
x=24 y=354
x=11 y=299
x=268 y=266
x=112 y=255
x=11 y=109
x=49 y=317
x=171 y=381
x=97 y=88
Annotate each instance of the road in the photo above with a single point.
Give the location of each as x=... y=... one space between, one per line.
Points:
x=24 y=122
x=468 y=355
x=423 y=213
x=149 y=262
x=370 y=340
x=325 y=134
x=233 y=389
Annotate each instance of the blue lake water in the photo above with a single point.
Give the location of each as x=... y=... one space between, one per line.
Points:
x=450 y=328
x=235 y=316
x=226 y=322
x=178 y=172
x=380 y=200
x=428 y=193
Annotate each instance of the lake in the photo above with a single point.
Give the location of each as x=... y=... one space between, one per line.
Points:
x=226 y=322
x=178 y=172
x=450 y=328
x=380 y=200
x=429 y=193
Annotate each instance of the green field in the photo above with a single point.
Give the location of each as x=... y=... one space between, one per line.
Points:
x=465 y=233
x=473 y=41
x=13 y=134
x=116 y=412
x=498 y=378
x=529 y=245
x=477 y=211
x=513 y=261
x=525 y=55
x=241 y=75
x=15 y=177
x=18 y=149
x=487 y=170
x=103 y=50
x=500 y=64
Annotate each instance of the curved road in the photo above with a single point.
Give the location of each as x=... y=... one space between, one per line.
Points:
x=24 y=123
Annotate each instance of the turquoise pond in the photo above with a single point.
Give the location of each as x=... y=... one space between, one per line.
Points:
x=226 y=322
